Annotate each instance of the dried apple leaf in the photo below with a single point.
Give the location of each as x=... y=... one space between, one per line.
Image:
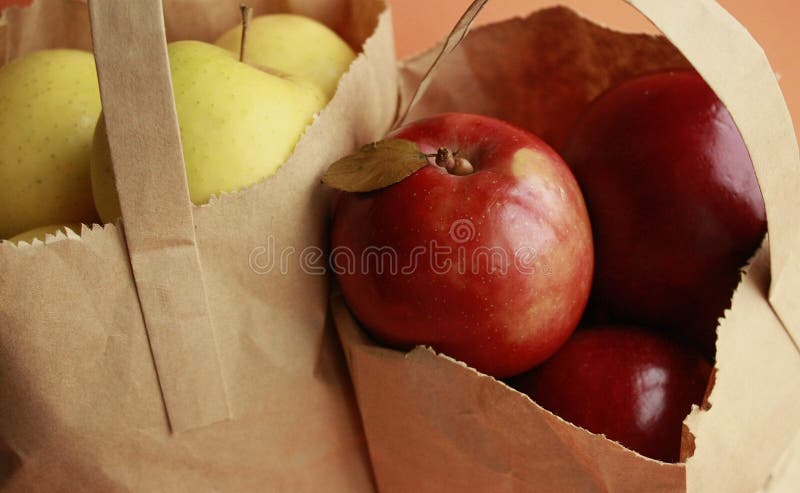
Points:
x=376 y=165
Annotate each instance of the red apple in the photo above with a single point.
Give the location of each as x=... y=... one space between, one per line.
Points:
x=675 y=206
x=633 y=385
x=492 y=268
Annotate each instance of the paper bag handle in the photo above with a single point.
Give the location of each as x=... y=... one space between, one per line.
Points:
x=741 y=76
x=130 y=49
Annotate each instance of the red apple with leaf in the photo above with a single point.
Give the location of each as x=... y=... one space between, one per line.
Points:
x=633 y=385
x=675 y=205
x=466 y=234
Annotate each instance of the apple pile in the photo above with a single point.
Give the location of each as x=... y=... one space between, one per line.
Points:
x=242 y=107
x=474 y=237
x=675 y=205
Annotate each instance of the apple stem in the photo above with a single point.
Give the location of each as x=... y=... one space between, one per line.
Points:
x=452 y=162
x=247 y=14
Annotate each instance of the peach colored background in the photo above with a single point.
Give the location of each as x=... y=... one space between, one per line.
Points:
x=419 y=23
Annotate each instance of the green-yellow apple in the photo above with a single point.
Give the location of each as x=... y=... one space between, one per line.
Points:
x=42 y=231
x=238 y=123
x=49 y=102
x=294 y=44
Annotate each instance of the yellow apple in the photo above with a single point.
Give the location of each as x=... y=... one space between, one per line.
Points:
x=238 y=123
x=40 y=232
x=296 y=45
x=49 y=102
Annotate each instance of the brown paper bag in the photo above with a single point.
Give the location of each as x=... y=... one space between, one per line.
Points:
x=433 y=424
x=165 y=356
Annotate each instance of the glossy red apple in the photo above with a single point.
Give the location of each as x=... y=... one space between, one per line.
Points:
x=633 y=385
x=675 y=206
x=492 y=268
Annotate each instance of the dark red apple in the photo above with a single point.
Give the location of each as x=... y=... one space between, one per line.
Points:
x=675 y=206
x=633 y=385
x=492 y=268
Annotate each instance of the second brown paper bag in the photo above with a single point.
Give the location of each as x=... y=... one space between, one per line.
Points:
x=433 y=424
